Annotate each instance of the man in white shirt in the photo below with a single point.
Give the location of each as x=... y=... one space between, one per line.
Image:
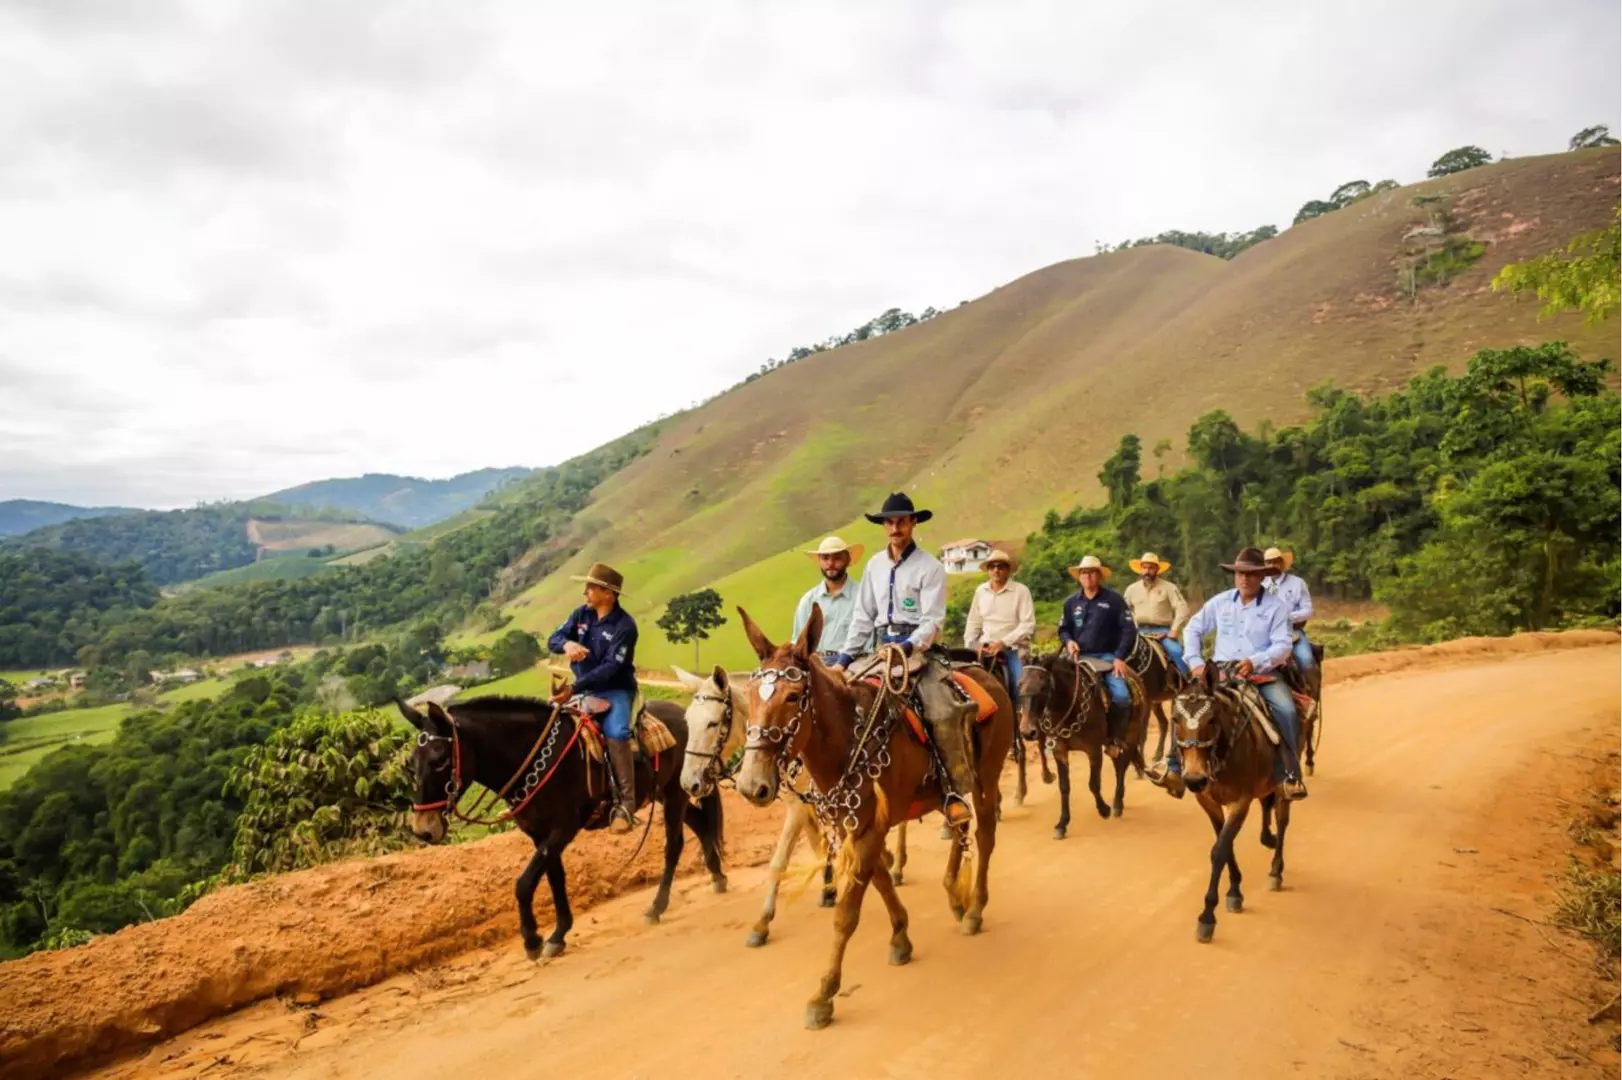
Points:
x=834 y=594
x=1292 y=592
x=902 y=598
x=1002 y=618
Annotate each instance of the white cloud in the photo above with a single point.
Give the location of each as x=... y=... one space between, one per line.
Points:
x=252 y=244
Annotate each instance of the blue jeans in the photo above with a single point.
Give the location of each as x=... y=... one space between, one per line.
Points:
x=1303 y=651
x=1285 y=717
x=1174 y=648
x=1119 y=695
x=1016 y=668
x=616 y=722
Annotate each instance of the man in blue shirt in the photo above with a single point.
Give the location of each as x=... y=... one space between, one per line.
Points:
x=1097 y=624
x=1253 y=634
x=1297 y=600
x=834 y=594
x=599 y=639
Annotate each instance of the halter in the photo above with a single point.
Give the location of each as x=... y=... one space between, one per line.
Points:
x=542 y=755
x=778 y=737
x=716 y=770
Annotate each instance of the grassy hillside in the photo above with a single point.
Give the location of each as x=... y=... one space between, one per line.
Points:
x=18 y=516
x=282 y=568
x=402 y=500
x=1002 y=408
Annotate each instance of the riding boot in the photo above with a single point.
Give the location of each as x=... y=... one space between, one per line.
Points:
x=1292 y=788
x=623 y=767
x=1116 y=721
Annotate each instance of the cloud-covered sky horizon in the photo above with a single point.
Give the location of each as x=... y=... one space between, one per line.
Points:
x=253 y=244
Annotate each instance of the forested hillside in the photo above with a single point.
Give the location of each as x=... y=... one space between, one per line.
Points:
x=400 y=500
x=52 y=603
x=18 y=516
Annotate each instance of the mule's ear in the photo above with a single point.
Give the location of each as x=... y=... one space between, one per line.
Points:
x=439 y=721
x=412 y=716
x=688 y=679
x=811 y=636
x=720 y=677
x=762 y=644
x=1208 y=677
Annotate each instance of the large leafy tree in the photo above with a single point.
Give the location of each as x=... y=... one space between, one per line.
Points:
x=1459 y=160
x=1589 y=137
x=691 y=617
x=1586 y=277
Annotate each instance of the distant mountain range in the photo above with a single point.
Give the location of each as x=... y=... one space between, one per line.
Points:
x=18 y=516
x=400 y=500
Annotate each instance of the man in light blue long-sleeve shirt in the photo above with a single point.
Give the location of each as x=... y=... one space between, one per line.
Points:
x=1292 y=592
x=1252 y=632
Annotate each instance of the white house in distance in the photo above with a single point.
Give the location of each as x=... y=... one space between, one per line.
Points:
x=965 y=556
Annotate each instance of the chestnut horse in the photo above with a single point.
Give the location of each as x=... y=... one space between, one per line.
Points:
x=871 y=772
x=532 y=754
x=1062 y=708
x=1228 y=764
x=716 y=720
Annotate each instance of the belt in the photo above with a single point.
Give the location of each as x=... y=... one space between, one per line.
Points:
x=896 y=632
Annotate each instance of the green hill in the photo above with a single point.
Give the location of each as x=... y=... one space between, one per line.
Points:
x=18 y=516
x=403 y=500
x=1002 y=408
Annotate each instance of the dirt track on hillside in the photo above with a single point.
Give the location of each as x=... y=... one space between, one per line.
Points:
x=1398 y=961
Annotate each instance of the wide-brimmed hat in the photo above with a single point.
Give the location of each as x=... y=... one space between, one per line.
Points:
x=1250 y=561
x=1090 y=562
x=998 y=555
x=1274 y=553
x=1149 y=559
x=832 y=545
x=604 y=575
x=898 y=506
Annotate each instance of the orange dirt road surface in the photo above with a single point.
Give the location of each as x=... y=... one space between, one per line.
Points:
x=1401 y=945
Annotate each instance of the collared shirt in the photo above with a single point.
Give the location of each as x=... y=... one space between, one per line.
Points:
x=909 y=595
x=837 y=609
x=1008 y=616
x=1159 y=605
x=1098 y=625
x=1292 y=593
x=1258 y=631
x=612 y=642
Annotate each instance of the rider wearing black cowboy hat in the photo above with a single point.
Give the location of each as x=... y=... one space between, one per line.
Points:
x=902 y=596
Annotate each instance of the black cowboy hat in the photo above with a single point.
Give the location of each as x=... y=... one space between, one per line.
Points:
x=898 y=506
x=1250 y=561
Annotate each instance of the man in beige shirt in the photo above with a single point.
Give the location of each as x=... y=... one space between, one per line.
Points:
x=1002 y=617
x=1158 y=606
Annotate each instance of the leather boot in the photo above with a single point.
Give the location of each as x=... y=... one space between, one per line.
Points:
x=622 y=764
x=1116 y=721
x=948 y=721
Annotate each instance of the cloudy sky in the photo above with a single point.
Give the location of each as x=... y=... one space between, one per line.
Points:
x=246 y=245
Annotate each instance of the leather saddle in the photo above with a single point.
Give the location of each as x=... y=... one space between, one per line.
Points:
x=1097 y=666
x=869 y=665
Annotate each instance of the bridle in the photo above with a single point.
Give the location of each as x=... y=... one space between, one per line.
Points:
x=777 y=738
x=538 y=768
x=716 y=771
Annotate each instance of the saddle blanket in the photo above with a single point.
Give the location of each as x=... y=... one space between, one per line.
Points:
x=984 y=707
x=649 y=738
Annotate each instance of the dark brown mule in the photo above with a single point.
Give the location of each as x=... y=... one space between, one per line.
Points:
x=1061 y=709
x=535 y=757
x=1017 y=752
x=871 y=773
x=1161 y=681
x=1227 y=764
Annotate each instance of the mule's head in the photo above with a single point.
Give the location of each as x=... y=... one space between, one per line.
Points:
x=779 y=697
x=713 y=731
x=1035 y=688
x=433 y=771
x=1197 y=726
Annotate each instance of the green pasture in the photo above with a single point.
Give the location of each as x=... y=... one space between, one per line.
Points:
x=30 y=738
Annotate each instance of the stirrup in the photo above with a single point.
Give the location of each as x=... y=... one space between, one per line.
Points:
x=954 y=799
x=618 y=816
x=1293 y=789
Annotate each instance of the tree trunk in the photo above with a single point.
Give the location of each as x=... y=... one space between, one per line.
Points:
x=696 y=668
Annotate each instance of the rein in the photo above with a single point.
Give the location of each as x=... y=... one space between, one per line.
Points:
x=1062 y=730
x=538 y=776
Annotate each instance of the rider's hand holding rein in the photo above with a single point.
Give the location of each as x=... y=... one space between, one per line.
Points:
x=575 y=652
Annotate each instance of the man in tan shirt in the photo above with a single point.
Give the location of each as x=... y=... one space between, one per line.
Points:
x=1158 y=606
x=1002 y=617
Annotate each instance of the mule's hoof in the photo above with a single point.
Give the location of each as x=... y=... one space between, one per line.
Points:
x=1019 y=800
x=553 y=948
x=969 y=926
x=829 y=898
x=818 y=1015
x=1269 y=840
x=651 y=917
x=1275 y=884
x=1309 y=769
x=532 y=952
x=1103 y=812
x=719 y=883
x=1117 y=811
x=1236 y=904
x=1203 y=932
x=1058 y=834
x=901 y=954
x=896 y=878
x=757 y=938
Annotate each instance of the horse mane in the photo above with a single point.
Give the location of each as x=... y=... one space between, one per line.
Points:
x=503 y=706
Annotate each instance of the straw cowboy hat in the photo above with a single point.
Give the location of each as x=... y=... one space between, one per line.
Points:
x=1275 y=553
x=1149 y=558
x=1090 y=562
x=898 y=506
x=604 y=575
x=1250 y=561
x=832 y=545
x=998 y=555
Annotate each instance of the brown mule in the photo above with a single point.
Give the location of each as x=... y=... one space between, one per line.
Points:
x=1161 y=682
x=871 y=773
x=1227 y=765
x=1062 y=711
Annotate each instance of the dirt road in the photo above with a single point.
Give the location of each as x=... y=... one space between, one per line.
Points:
x=1395 y=948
